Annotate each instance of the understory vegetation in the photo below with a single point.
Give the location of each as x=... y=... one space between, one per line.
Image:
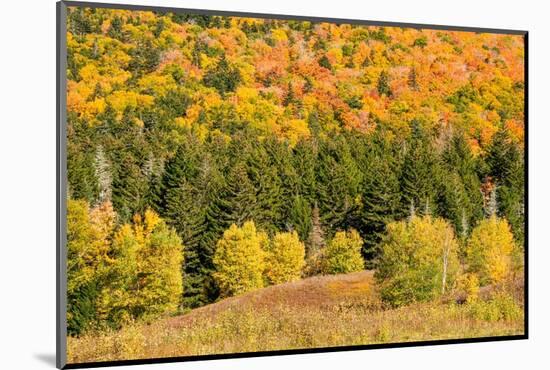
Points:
x=340 y=310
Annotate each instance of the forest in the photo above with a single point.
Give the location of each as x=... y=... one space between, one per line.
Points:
x=213 y=157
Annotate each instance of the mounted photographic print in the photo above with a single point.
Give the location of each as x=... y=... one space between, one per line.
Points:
x=235 y=185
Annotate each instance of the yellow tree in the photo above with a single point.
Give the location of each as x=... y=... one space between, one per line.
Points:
x=284 y=258
x=239 y=259
x=343 y=253
x=88 y=243
x=419 y=260
x=145 y=274
x=489 y=250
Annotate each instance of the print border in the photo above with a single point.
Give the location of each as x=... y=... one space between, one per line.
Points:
x=61 y=187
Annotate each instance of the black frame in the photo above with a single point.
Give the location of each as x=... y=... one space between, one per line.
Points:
x=61 y=173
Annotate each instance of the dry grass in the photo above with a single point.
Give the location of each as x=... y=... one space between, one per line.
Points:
x=328 y=311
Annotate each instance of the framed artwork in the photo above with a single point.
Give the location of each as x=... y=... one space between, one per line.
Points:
x=234 y=184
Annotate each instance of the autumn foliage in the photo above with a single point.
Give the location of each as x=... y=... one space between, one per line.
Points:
x=119 y=275
x=489 y=250
x=343 y=253
x=419 y=260
x=285 y=258
x=239 y=259
x=212 y=156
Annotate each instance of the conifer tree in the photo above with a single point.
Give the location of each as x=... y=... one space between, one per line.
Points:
x=338 y=185
x=458 y=158
x=82 y=180
x=325 y=63
x=501 y=156
x=506 y=167
x=191 y=208
x=183 y=165
x=383 y=85
x=223 y=77
x=381 y=202
x=420 y=175
x=186 y=215
x=238 y=201
x=263 y=175
x=304 y=160
x=300 y=216
x=454 y=204
x=129 y=186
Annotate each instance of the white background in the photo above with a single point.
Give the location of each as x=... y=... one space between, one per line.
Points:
x=27 y=182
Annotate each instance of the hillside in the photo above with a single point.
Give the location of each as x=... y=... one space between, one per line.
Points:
x=321 y=311
x=213 y=161
x=214 y=121
x=289 y=78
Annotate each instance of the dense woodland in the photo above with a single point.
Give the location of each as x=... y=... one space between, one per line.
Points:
x=310 y=141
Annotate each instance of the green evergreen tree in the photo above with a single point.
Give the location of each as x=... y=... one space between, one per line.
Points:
x=304 y=158
x=383 y=84
x=129 y=187
x=421 y=174
x=263 y=175
x=338 y=184
x=381 y=199
x=186 y=215
x=223 y=77
x=454 y=203
x=299 y=217
x=82 y=181
x=115 y=30
x=505 y=162
x=78 y=23
x=461 y=198
x=325 y=63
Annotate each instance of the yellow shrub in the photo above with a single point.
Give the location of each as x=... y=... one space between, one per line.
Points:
x=469 y=284
x=239 y=259
x=284 y=258
x=343 y=253
x=419 y=260
x=489 y=250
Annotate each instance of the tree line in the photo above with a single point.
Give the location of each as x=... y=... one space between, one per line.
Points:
x=309 y=192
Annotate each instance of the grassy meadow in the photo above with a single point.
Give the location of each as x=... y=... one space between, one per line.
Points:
x=328 y=311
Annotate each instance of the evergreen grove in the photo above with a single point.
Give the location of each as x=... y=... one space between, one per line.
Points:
x=321 y=206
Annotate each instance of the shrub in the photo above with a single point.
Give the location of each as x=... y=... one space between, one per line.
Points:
x=239 y=260
x=469 y=284
x=284 y=258
x=501 y=307
x=145 y=278
x=418 y=262
x=489 y=250
x=343 y=253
